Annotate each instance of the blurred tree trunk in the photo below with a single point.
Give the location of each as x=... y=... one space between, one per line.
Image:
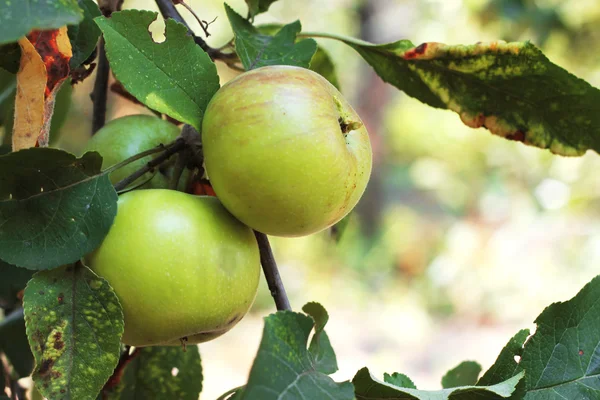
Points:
x=370 y=106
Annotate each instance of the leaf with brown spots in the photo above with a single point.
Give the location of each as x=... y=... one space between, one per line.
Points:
x=511 y=89
x=74 y=325
x=44 y=66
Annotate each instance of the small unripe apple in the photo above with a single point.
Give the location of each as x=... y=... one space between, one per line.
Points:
x=284 y=151
x=183 y=268
x=127 y=136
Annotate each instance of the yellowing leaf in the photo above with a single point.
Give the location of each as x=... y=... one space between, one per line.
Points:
x=44 y=67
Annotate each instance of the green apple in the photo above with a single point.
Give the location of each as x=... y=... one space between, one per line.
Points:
x=284 y=151
x=183 y=267
x=127 y=136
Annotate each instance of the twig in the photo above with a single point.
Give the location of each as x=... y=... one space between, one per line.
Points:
x=168 y=10
x=99 y=94
x=115 y=378
x=272 y=273
x=177 y=146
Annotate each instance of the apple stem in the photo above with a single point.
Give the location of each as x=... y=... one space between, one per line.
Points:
x=168 y=151
x=272 y=273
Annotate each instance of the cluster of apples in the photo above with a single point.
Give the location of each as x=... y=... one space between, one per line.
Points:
x=286 y=155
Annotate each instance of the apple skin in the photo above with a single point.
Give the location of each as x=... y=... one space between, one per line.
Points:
x=276 y=154
x=181 y=265
x=127 y=136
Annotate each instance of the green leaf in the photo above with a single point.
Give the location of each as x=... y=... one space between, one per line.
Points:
x=285 y=369
x=320 y=347
x=12 y=281
x=54 y=207
x=367 y=387
x=561 y=360
x=10 y=57
x=175 y=77
x=322 y=64
x=400 y=380
x=511 y=89
x=505 y=365
x=13 y=343
x=256 y=7
x=74 y=325
x=8 y=89
x=84 y=36
x=257 y=50
x=17 y=18
x=162 y=373
x=464 y=374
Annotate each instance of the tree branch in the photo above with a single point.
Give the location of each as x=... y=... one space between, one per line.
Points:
x=99 y=94
x=117 y=375
x=168 y=10
x=176 y=147
x=272 y=273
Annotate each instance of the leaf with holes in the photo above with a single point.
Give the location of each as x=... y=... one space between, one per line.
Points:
x=284 y=368
x=74 y=326
x=511 y=89
x=84 y=36
x=54 y=207
x=505 y=365
x=367 y=387
x=161 y=372
x=561 y=360
x=175 y=77
x=464 y=374
x=18 y=18
x=258 y=50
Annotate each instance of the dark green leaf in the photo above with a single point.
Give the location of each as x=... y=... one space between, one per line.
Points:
x=175 y=77
x=54 y=207
x=162 y=373
x=74 y=325
x=367 y=387
x=323 y=354
x=285 y=369
x=257 y=50
x=12 y=281
x=84 y=36
x=13 y=343
x=322 y=64
x=17 y=18
x=8 y=89
x=561 y=360
x=512 y=89
x=10 y=57
x=505 y=365
x=464 y=374
x=2 y=385
x=400 y=380
x=256 y=7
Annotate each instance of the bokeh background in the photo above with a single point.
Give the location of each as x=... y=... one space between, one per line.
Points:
x=461 y=238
